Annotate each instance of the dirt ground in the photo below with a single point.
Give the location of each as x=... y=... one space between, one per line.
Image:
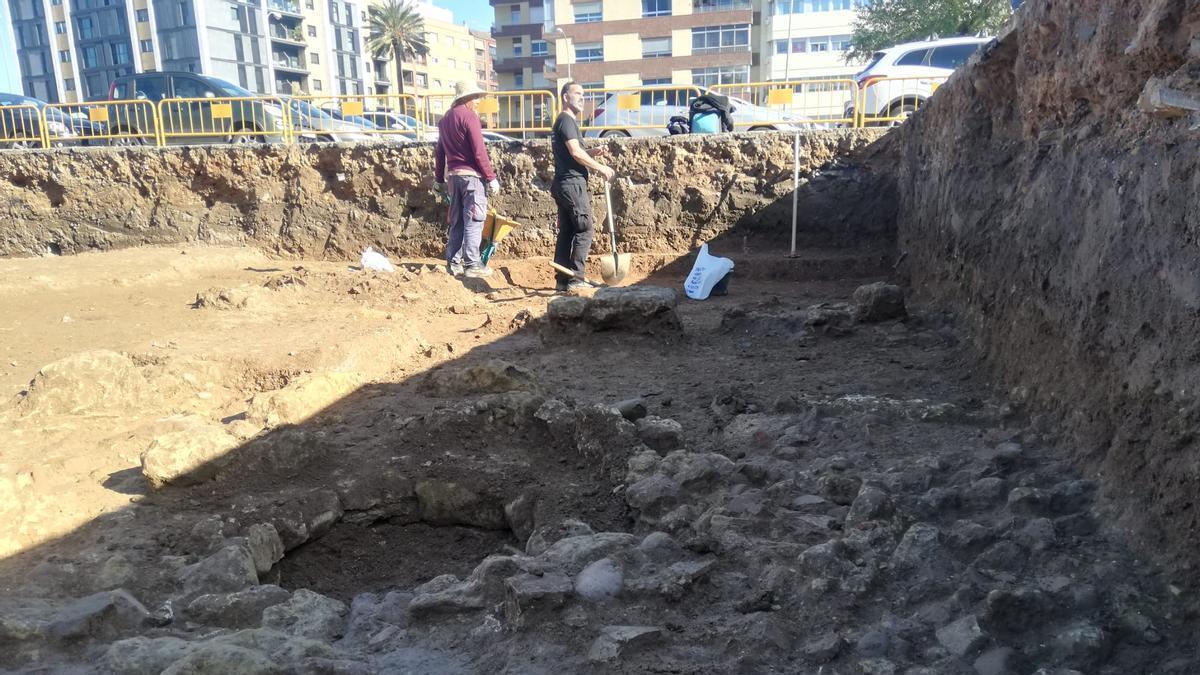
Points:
x=820 y=452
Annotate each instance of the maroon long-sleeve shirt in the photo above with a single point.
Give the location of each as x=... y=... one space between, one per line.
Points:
x=460 y=145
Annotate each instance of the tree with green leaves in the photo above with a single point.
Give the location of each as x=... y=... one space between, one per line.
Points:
x=883 y=23
x=398 y=31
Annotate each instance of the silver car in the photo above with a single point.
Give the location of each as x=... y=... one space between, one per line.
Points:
x=312 y=123
x=658 y=107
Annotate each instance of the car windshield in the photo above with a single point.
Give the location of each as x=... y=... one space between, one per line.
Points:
x=875 y=58
x=306 y=108
x=361 y=121
x=13 y=99
x=229 y=88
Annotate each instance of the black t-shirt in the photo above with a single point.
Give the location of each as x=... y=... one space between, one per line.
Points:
x=565 y=166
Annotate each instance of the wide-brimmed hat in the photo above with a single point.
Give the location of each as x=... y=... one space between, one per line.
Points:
x=465 y=91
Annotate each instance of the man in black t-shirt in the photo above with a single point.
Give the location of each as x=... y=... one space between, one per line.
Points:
x=571 y=166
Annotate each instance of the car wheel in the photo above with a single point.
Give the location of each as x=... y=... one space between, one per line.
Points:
x=123 y=141
x=902 y=112
x=614 y=133
x=245 y=136
x=762 y=128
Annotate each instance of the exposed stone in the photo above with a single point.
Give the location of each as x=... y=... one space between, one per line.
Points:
x=229 y=569
x=1083 y=645
x=963 y=637
x=88 y=383
x=600 y=580
x=144 y=655
x=660 y=433
x=637 y=309
x=492 y=377
x=879 y=301
x=448 y=503
x=242 y=609
x=186 y=457
x=266 y=548
x=103 y=616
x=527 y=594
x=520 y=515
x=302 y=398
x=632 y=409
x=309 y=615
x=617 y=641
x=574 y=553
x=824 y=648
x=872 y=503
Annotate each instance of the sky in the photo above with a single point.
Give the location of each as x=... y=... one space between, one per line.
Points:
x=10 y=80
x=477 y=13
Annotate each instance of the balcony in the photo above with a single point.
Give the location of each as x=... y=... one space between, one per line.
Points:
x=284 y=6
x=288 y=63
x=290 y=35
x=705 y=6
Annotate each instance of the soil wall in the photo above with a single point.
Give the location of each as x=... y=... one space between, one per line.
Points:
x=332 y=201
x=1037 y=196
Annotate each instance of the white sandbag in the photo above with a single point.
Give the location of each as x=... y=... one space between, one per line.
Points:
x=706 y=273
x=374 y=260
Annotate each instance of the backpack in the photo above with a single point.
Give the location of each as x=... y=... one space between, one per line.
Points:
x=711 y=103
x=679 y=125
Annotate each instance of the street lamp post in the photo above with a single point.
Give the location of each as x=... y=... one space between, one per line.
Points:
x=566 y=47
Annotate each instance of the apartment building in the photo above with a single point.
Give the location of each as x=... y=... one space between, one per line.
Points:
x=485 y=57
x=619 y=43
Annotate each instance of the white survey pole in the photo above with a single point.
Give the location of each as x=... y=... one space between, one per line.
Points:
x=795 y=188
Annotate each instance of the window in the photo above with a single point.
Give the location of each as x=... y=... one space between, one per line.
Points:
x=69 y=84
x=539 y=48
x=316 y=85
x=464 y=44
x=656 y=47
x=449 y=40
x=452 y=63
x=431 y=38
x=437 y=83
x=841 y=43
x=146 y=46
x=953 y=56
x=587 y=53
x=702 y=6
x=189 y=88
x=143 y=15
x=914 y=58
x=87 y=30
x=656 y=81
x=818 y=44
x=708 y=77
x=422 y=80
x=308 y=4
x=120 y=53
x=60 y=27
x=91 y=57
x=56 y=2
x=714 y=39
x=314 y=57
x=656 y=8
x=519 y=80
x=312 y=31
x=64 y=56
x=587 y=12
x=235 y=13
x=517 y=48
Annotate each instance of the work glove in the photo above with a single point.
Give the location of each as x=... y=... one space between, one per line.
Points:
x=439 y=191
x=493 y=186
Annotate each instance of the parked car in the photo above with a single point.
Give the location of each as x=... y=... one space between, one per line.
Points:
x=310 y=121
x=197 y=119
x=658 y=107
x=491 y=136
x=924 y=67
x=402 y=125
x=21 y=126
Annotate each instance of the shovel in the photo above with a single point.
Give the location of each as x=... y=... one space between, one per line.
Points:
x=613 y=269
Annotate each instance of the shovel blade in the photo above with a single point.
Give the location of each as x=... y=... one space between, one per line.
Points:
x=614 y=268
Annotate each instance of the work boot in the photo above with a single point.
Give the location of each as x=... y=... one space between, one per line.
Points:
x=576 y=286
x=454 y=269
x=478 y=272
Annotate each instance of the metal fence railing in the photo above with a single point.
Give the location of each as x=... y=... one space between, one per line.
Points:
x=614 y=111
x=106 y=123
x=235 y=119
x=890 y=100
x=794 y=102
x=619 y=111
x=21 y=126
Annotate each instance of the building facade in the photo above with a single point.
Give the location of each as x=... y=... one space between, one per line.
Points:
x=71 y=50
x=621 y=43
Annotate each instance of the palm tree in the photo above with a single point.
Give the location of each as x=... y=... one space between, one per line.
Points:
x=397 y=31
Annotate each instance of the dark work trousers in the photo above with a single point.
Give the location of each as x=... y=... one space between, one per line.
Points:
x=574 y=225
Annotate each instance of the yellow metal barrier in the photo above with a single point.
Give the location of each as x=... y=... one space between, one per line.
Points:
x=21 y=127
x=801 y=101
x=620 y=110
x=108 y=122
x=234 y=119
x=526 y=111
x=890 y=100
x=325 y=118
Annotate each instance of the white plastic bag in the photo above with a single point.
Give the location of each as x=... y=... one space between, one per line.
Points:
x=374 y=260
x=706 y=273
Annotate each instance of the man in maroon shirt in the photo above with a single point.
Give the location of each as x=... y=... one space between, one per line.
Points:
x=462 y=156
